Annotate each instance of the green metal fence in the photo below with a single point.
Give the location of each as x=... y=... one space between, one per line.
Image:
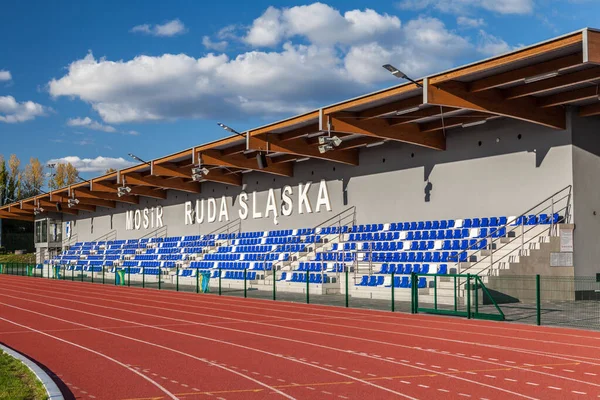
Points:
x=541 y=300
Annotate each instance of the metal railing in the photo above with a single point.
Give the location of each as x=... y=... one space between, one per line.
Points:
x=346 y=217
x=111 y=235
x=558 y=203
x=160 y=232
x=234 y=226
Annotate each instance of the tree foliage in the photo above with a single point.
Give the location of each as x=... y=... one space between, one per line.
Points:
x=33 y=178
x=65 y=174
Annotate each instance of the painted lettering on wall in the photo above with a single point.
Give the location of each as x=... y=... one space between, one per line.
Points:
x=205 y=210
x=145 y=218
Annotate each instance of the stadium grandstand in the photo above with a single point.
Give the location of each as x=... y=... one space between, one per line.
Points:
x=485 y=169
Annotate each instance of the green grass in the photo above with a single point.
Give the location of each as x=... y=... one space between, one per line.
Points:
x=17 y=382
x=18 y=258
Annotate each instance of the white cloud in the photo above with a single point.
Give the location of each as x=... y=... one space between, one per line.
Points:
x=5 y=75
x=490 y=45
x=88 y=123
x=218 y=46
x=315 y=61
x=466 y=6
x=467 y=22
x=320 y=24
x=170 y=28
x=98 y=164
x=12 y=111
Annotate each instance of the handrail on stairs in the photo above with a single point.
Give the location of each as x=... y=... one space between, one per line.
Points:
x=563 y=194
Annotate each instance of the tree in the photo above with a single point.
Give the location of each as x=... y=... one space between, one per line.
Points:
x=3 y=180
x=33 y=178
x=13 y=192
x=65 y=174
x=110 y=171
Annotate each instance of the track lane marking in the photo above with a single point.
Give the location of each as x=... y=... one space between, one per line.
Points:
x=274 y=337
x=153 y=382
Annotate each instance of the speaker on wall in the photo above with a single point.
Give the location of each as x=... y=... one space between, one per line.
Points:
x=58 y=207
x=261 y=159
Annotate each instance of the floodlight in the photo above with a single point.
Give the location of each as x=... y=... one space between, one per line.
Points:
x=399 y=74
x=334 y=141
x=230 y=129
x=137 y=158
x=123 y=190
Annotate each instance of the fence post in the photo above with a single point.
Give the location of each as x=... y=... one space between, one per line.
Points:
x=468 y=296
x=143 y=277
x=245 y=288
x=103 y=268
x=455 y=296
x=159 y=277
x=197 y=281
x=274 y=269
x=347 y=295
x=92 y=273
x=307 y=288
x=128 y=276
x=177 y=278
x=435 y=291
x=538 y=300
x=72 y=273
x=476 y=294
x=219 y=280
x=393 y=300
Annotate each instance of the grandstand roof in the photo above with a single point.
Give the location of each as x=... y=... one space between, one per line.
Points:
x=532 y=84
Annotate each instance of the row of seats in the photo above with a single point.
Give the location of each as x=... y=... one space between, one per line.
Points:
x=399 y=282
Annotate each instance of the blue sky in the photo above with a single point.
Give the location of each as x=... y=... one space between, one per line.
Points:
x=92 y=81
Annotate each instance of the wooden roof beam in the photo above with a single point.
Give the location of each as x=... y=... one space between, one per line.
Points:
x=571 y=96
x=220 y=176
x=559 y=82
x=519 y=55
x=397 y=105
x=455 y=94
x=589 y=110
x=86 y=194
x=171 y=170
x=519 y=74
x=417 y=115
x=135 y=190
x=214 y=157
x=358 y=142
x=155 y=181
x=452 y=121
x=301 y=148
x=298 y=132
x=18 y=217
x=380 y=128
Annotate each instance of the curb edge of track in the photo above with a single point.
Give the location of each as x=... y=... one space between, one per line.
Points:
x=51 y=387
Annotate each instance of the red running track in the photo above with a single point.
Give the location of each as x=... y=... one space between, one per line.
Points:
x=107 y=342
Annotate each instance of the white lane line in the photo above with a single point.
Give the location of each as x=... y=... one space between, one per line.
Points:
x=464 y=395
x=256 y=334
x=153 y=382
x=436 y=366
x=424 y=386
x=547 y=367
x=590 y=373
x=510 y=380
x=405 y=382
x=576 y=392
x=568 y=370
x=200 y=337
x=532 y=383
x=444 y=390
x=490 y=376
x=554 y=388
